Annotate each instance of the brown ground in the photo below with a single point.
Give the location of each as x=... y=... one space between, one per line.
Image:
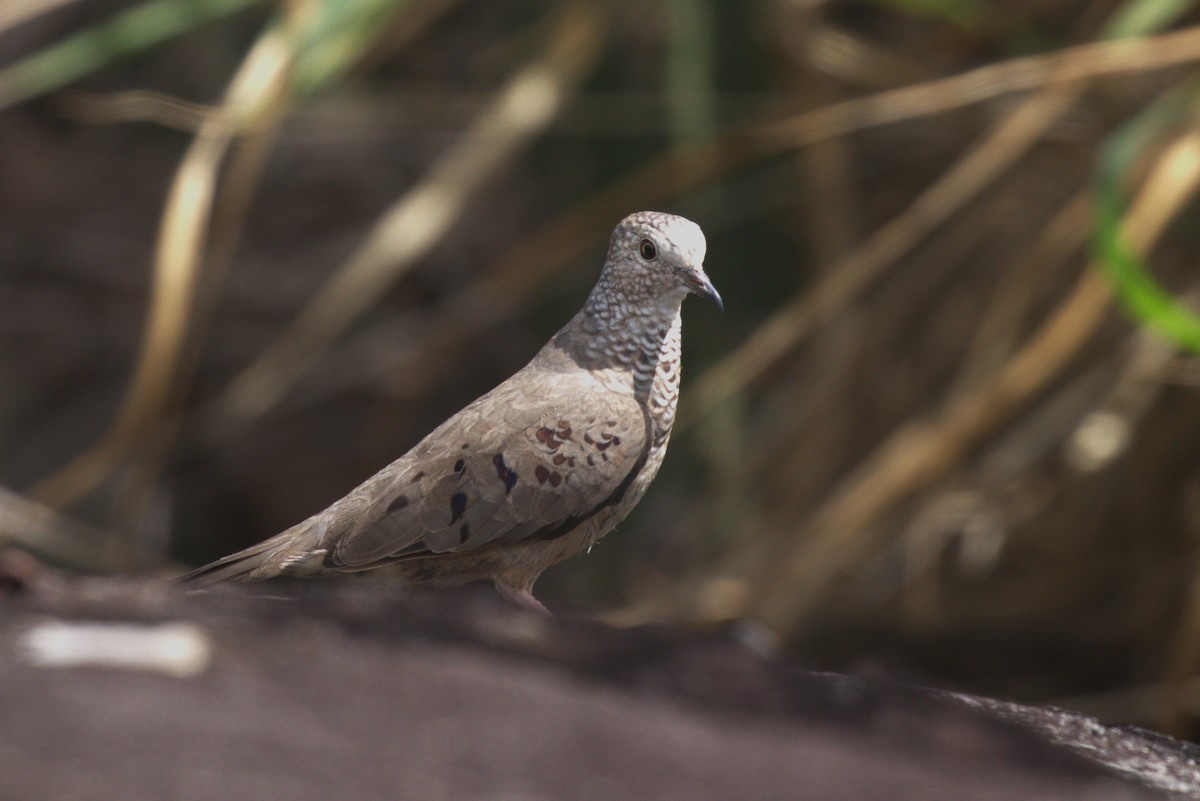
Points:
x=316 y=692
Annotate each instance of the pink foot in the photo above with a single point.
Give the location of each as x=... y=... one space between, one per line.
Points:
x=523 y=599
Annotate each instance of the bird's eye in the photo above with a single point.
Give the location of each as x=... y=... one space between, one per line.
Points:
x=648 y=250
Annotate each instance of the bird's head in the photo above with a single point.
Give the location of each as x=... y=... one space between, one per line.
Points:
x=659 y=257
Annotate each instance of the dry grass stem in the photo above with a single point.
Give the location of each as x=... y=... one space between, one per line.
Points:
x=999 y=329
x=840 y=533
x=54 y=536
x=412 y=226
x=136 y=106
x=1062 y=67
x=842 y=282
x=258 y=88
x=15 y=13
x=518 y=274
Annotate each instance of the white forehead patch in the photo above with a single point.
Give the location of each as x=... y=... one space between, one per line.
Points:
x=686 y=235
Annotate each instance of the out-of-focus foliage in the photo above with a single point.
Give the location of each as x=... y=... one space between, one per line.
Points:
x=960 y=11
x=249 y=257
x=1139 y=292
x=101 y=44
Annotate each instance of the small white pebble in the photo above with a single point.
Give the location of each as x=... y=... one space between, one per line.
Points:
x=176 y=649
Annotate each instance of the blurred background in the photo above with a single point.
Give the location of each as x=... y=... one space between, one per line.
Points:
x=250 y=252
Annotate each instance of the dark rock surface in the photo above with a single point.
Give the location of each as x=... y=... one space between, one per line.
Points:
x=326 y=691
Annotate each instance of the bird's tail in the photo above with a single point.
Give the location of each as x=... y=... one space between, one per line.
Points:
x=267 y=559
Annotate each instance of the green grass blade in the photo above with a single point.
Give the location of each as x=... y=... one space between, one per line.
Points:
x=1136 y=289
x=337 y=36
x=129 y=32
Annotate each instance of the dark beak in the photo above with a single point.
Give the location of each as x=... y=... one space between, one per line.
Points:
x=698 y=283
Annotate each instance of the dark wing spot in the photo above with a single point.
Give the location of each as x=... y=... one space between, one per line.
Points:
x=588 y=439
x=542 y=474
x=458 y=505
x=555 y=479
x=544 y=435
x=466 y=445
x=616 y=440
x=420 y=475
x=509 y=477
x=464 y=533
x=553 y=532
x=458 y=466
x=591 y=462
x=399 y=503
x=559 y=459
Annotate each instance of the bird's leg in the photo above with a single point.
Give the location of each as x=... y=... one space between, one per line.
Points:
x=523 y=598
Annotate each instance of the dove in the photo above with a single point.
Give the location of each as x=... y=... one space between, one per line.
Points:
x=536 y=470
